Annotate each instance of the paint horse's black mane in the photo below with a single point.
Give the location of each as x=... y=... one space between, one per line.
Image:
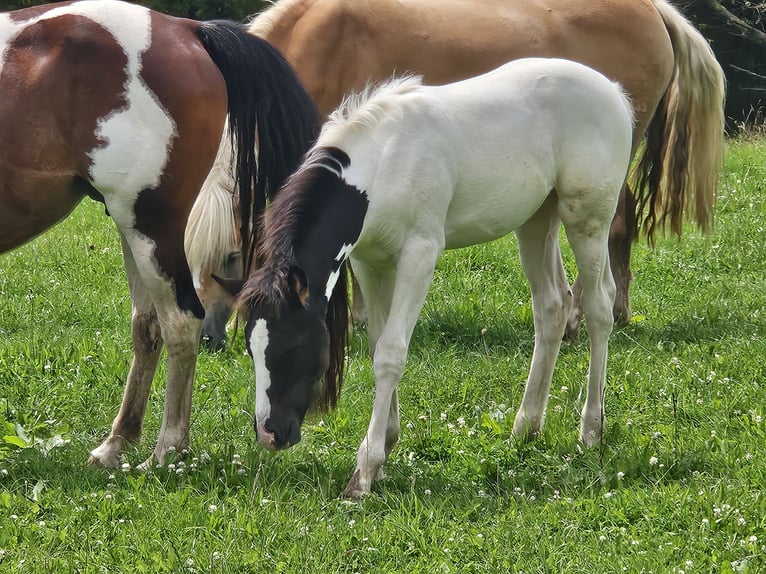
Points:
x=283 y=228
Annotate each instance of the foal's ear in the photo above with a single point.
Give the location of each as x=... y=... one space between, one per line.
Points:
x=299 y=284
x=232 y=286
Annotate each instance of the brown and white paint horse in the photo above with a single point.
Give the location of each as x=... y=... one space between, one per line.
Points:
x=667 y=68
x=114 y=101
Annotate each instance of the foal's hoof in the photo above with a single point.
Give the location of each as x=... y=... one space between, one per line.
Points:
x=354 y=489
x=591 y=431
x=525 y=430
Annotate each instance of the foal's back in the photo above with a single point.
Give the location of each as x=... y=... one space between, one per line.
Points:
x=478 y=157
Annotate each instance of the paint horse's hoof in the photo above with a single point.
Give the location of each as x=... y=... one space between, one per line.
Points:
x=107 y=455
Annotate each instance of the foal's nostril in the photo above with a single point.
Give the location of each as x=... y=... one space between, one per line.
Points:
x=284 y=437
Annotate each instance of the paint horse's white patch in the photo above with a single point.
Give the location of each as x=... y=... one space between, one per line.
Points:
x=138 y=137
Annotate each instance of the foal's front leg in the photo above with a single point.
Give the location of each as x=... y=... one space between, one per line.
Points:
x=413 y=276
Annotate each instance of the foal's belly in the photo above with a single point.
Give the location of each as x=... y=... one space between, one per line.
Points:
x=486 y=213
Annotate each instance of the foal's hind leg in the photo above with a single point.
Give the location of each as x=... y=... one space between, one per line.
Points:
x=622 y=234
x=551 y=301
x=147 y=346
x=589 y=244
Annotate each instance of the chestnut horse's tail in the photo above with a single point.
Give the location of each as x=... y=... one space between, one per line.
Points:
x=680 y=163
x=272 y=122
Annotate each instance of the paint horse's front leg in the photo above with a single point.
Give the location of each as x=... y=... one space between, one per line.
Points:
x=157 y=309
x=411 y=281
x=147 y=346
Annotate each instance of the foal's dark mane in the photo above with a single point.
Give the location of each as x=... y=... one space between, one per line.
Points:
x=282 y=226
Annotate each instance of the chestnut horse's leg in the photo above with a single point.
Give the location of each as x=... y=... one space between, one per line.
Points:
x=540 y=258
x=147 y=346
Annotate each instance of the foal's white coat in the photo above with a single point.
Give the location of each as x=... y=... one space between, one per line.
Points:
x=523 y=148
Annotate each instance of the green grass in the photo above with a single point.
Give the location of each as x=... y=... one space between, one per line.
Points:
x=678 y=485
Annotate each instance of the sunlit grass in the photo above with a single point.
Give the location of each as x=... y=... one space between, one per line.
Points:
x=677 y=486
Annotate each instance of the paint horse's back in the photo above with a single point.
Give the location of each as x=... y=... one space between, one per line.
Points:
x=86 y=109
x=482 y=155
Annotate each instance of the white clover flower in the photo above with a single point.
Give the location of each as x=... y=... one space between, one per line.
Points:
x=653 y=461
x=443 y=417
x=212 y=509
x=125 y=467
x=620 y=475
x=351 y=523
x=608 y=494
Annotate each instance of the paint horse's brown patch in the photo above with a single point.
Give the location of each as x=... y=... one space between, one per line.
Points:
x=49 y=116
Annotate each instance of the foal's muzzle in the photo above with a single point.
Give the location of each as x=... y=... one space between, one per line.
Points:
x=272 y=437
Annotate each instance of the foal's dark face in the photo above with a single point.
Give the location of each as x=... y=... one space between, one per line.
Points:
x=290 y=354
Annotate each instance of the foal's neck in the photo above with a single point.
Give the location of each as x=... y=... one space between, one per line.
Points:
x=331 y=223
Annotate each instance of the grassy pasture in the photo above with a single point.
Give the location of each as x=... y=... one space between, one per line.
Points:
x=679 y=486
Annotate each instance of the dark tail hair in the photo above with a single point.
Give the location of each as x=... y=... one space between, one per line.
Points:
x=270 y=114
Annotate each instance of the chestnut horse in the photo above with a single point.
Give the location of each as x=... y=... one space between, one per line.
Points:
x=665 y=65
x=114 y=101
x=400 y=174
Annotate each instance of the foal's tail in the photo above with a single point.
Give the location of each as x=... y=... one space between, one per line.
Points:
x=269 y=114
x=680 y=163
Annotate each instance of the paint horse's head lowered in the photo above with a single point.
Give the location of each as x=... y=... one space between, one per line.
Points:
x=297 y=305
